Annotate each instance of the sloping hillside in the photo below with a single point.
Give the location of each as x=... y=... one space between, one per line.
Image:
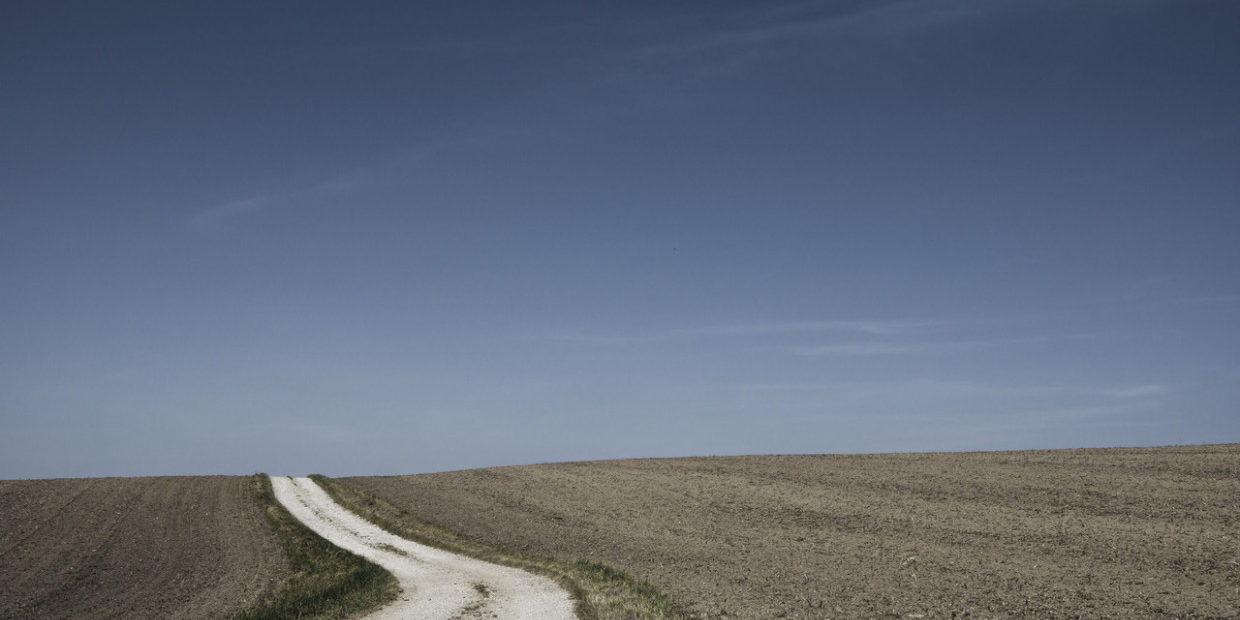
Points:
x=1119 y=532
x=169 y=547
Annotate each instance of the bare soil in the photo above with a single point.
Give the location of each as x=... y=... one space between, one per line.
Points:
x=169 y=547
x=1151 y=532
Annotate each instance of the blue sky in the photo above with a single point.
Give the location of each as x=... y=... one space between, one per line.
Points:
x=405 y=237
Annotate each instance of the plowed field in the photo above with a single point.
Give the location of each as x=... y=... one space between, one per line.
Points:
x=1096 y=533
x=192 y=547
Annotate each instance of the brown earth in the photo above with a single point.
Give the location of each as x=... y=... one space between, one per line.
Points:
x=1121 y=533
x=185 y=547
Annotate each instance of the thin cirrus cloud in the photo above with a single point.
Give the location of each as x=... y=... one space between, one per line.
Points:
x=221 y=215
x=969 y=389
x=876 y=348
x=780 y=25
x=870 y=337
x=1022 y=420
x=1056 y=417
x=867 y=349
x=868 y=327
x=877 y=327
x=1209 y=299
x=231 y=212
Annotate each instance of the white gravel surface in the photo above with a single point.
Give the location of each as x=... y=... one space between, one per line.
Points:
x=434 y=583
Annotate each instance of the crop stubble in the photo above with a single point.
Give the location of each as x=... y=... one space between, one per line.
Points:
x=166 y=547
x=1113 y=532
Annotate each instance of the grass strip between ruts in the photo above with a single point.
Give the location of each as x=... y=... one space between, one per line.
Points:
x=601 y=592
x=325 y=581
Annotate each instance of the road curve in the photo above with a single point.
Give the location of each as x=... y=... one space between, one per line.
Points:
x=435 y=584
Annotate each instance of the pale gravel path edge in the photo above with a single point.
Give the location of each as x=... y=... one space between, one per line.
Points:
x=435 y=584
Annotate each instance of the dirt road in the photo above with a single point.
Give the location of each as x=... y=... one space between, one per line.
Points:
x=435 y=583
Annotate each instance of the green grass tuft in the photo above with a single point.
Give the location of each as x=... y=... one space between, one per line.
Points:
x=325 y=581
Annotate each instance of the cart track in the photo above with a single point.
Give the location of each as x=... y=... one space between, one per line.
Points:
x=435 y=583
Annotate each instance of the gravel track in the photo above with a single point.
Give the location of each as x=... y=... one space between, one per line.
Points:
x=436 y=584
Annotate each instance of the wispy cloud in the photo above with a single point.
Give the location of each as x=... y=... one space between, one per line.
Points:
x=865 y=327
x=1135 y=391
x=776 y=25
x=1152 y=287
x=220 y=215
x=1058 y=416
x=605 y=340
x=1178 y=289
x=882 y=337
x=878 y=327
x=971 y=388
x=1212 y=134
x=867 y=349
x=1209 y=299
x=964 y=389
x=887 y=347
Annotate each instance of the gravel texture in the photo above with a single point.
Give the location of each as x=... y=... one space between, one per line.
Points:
x=435 y=584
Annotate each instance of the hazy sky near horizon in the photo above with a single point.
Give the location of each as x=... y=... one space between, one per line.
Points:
x=395 y=237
